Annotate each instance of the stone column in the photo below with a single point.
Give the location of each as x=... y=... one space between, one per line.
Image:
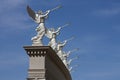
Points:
x=36 y=69
x=44 y=64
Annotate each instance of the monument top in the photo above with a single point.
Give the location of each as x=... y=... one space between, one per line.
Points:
x=42 y=31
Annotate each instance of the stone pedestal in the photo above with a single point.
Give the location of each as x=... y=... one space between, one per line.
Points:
x=44 y=64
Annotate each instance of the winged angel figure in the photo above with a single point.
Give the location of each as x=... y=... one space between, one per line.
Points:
x=52 y=34
x=39 y=17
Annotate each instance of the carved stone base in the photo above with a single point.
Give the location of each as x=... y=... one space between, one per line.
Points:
x=45 y=64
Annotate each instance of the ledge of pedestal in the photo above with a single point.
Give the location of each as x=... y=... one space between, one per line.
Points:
x=55 y=68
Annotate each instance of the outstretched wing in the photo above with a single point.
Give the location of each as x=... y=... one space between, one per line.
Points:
x=31 y=12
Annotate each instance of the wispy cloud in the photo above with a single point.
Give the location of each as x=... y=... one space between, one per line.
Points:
x=105 y=71
x=99 y=74
x=15 y=20
x=12 y=61
x=6 y=5
x=11 y=14
x=92 y=43
x=107 y=12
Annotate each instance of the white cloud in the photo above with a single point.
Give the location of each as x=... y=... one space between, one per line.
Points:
x=12 y=14
x=107 y=12
x=8 y=5
x=105 y=72
x=99 y=74
x=16 y=20
x=12 y=60
x=92 y=43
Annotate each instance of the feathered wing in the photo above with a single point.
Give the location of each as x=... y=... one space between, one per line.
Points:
x=31 y=12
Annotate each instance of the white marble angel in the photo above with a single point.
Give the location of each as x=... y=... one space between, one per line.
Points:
x=60 y=46
x=66 y=55
x=52 y=34
x=39 y=17
x=69 y=61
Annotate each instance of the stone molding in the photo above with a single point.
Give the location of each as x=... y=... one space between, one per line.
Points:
x=36 y=75
x=36 y=70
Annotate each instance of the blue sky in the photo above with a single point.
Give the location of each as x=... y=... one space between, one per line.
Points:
x=94 y=24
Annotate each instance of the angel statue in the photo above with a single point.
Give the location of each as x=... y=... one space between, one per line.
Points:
x=59 y=48
x=52 y=34
x=69 y=61
x=66 y=55
x=39 y=17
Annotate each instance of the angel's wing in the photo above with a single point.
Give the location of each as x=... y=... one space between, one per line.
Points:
x=31 y=12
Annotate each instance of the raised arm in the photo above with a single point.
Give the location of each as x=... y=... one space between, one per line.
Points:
x=58 y=30
x=46 y=13
x=64 y=43
x=69 y=52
